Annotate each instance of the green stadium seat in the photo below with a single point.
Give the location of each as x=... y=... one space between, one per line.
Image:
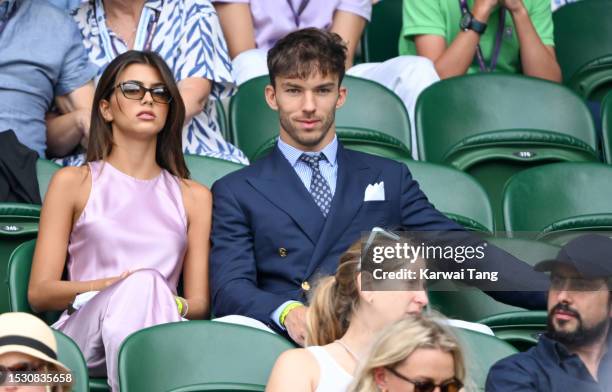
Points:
x=222 y=119
x=468 y=203
x=207 y=170
x=70 y=355
x=20 y=265
x=19 y=223
x=18 y=277
x=481 y=351
x=606 y=119
x=583 y=47
x=521 y=329
x=380 y=37
x=559 y=201
x=494 y=125
x=255 y=126
x=44 y=171
x=218 y=357
x=512 y=324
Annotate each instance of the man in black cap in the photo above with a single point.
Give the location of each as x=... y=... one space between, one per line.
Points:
x=576 y=352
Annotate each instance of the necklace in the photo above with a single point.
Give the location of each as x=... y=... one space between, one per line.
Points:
x=348 y=350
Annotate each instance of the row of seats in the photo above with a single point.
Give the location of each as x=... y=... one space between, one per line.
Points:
x=453 y=300
x=467 y=204
x=222 y=356
x=549 y=202
x=491 y=126
x=581 y=29
x=225 y=357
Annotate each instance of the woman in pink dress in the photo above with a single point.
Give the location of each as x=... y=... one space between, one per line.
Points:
x=127 y=224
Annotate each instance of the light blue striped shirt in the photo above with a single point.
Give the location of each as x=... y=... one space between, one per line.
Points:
x=328 y=166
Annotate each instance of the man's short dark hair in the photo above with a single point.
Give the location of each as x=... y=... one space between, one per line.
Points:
x=305 y=52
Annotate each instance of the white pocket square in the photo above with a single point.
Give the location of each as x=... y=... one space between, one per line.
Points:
x=375 y=192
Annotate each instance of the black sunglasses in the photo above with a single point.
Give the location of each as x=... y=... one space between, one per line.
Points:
x=136 y=91
x=452 y=385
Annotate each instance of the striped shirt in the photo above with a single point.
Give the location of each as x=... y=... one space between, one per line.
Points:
x=187 y=34
x=328 y=166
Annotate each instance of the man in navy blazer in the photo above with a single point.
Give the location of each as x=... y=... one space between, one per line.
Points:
x=283 y=221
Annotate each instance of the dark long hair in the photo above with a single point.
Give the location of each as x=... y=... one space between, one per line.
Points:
x=169 y=151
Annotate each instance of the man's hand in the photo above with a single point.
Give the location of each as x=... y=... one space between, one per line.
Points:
x=295 y=323
x=513 y=5
x=483 y=8
x=83 y=122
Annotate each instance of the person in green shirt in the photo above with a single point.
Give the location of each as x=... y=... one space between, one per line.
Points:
x=468 y=36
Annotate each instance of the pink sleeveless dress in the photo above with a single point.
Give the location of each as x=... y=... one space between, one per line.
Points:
x=127 y=224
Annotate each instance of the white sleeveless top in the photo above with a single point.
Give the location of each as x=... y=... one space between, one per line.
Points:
x=332 y=376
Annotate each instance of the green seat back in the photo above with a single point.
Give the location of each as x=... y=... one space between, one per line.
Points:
x=207 y=170
x=70 y=355
x=521 y=329
x=222 y=120
x=255 y=126
x=494 y=125
x=468 y=303
x=44 y=171
x=481 y=351
x=19 y=268
x=583 y=47
x=380 y=38
x=606 y=119
x=19 y=223
x=510 y=323
x=198 y=356
x=468 y=203
x=559 y=199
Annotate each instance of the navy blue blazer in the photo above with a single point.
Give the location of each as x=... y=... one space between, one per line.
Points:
x=270 y=241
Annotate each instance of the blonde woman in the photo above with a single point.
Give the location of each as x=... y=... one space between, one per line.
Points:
x=343 y=318
x=416 y=354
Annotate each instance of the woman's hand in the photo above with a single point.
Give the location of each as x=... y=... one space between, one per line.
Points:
x=99 y=285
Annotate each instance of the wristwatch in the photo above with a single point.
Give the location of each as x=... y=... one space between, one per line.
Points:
x=468 y=22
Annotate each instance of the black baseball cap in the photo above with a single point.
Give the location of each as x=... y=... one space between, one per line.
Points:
x=589 y=254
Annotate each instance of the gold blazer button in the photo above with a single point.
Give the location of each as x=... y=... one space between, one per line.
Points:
x=282 y=252
x=305 y=286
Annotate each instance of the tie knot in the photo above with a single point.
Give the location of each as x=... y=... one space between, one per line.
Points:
x=312 y=160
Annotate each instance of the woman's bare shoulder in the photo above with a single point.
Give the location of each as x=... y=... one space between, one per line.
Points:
x=195 y=195
x=70 y=178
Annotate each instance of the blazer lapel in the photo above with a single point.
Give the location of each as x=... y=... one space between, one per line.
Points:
x=280 y=184
x=353 y=178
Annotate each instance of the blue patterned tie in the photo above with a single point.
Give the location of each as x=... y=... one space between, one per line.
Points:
x=319 y=188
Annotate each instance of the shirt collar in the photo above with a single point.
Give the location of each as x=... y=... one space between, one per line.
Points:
x=6 y=7
x=292 y=154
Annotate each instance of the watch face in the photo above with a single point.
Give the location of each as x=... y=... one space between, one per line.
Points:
x=466 y=21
